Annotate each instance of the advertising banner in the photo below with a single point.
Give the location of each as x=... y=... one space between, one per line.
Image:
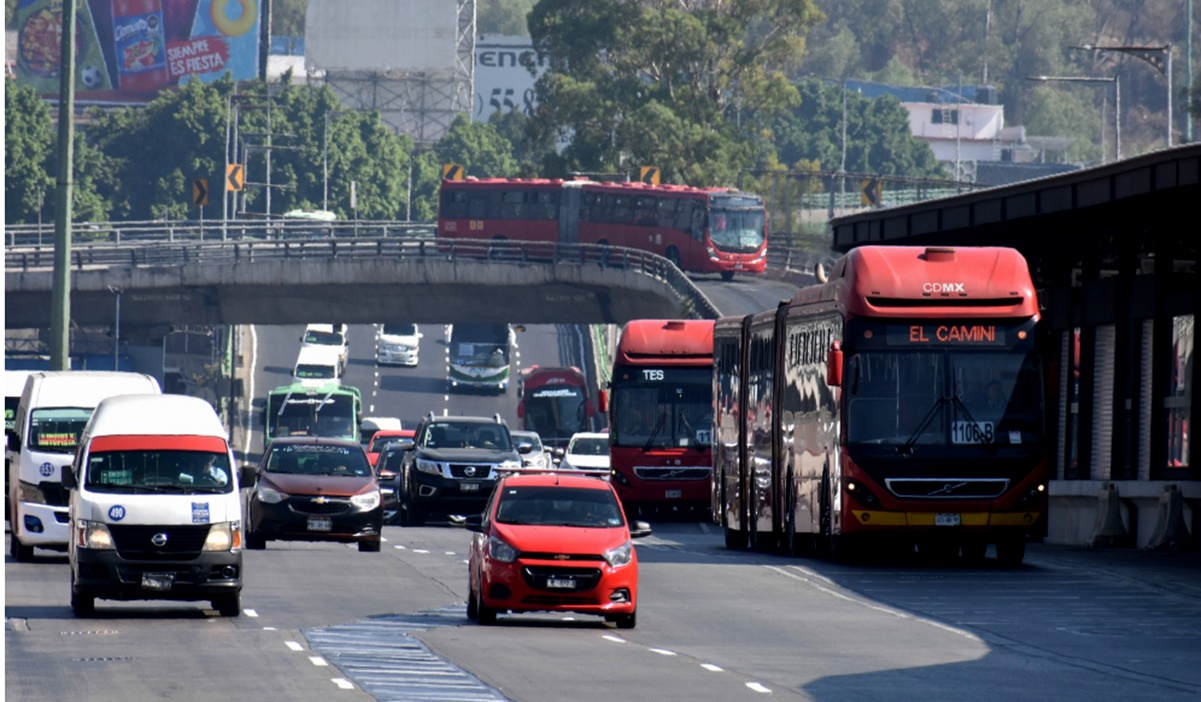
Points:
x=126 y=51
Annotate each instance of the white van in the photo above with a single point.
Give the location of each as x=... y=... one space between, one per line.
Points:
x=316 y=366
x=54 y=408
x=156 y=510
x=14 y=384
x=399 y=344
x=328 y=336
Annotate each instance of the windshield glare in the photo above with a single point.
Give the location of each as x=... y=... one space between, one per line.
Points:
x=559 y=506
x=159 y=470
x=942 y=398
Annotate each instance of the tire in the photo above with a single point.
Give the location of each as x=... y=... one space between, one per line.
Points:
x=409 y=514
x=974 y=551
x=626 y=621
x=1011 y=552
x=673 y=255
x=369 y=546
x=484 y=614
x=20 y=552
x=83 y=603
x=228 y=605
x=727 y=275
x=473 y=608
x=255 y=542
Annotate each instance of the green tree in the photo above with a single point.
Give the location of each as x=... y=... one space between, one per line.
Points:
x=28 y=154
x=479 y=147
x=504 y=17
x=287 y=17
x=662 y=82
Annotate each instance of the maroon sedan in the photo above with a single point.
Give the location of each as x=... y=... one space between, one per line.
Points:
x=312 y=489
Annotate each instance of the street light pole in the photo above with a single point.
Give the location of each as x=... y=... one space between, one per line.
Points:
x=1160 y=57
x=116 y=290
x=1117 y=99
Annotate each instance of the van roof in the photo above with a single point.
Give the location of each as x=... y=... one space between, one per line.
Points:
x=14 y=382
x=85 y=388
x=155 y=414
x=317 y=354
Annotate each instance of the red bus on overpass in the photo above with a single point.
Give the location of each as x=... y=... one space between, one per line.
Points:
x=899 y=402
x=703 y=230
x=660 y=415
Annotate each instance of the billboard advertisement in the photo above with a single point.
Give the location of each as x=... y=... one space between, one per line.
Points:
x=126 y=51
x=506 y=69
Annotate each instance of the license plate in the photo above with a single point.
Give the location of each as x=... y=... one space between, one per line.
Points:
x=469 y=487
x=673 y=494
x=946 y=519
x=157 y=582
x=561 y=583
x=320 y=524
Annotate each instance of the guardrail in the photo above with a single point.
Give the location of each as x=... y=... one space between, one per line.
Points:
x=503 y=252
x=86 y=233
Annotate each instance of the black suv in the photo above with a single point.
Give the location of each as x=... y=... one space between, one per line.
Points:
x=451 y=466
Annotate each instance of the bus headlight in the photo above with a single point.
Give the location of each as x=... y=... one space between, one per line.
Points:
x=93 y=535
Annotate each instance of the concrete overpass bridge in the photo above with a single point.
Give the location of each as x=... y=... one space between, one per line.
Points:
x=357 y=280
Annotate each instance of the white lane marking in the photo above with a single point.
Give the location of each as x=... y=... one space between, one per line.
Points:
x=343 y=683
x=711 y=668
x=371 y=408
x=420 y=550
x=399 y=547
x=450 y=553
x=294 y=646
x=662 y=651
x=614 y=639
x=250 y=612
x=269 y=628
x=705 y=527
x=811 y=577
x=317 y=660
x=758 y=688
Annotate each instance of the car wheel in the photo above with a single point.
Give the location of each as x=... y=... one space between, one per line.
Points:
x=83 y=603
x=483 y=613
x=255 y=542
x=369 y=547
x=20 y=552
x=473 y=610
x=228 y=605
x=626 y=621
x=727 y=275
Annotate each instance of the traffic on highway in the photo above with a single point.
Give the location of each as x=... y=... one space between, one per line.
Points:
x=582 y=599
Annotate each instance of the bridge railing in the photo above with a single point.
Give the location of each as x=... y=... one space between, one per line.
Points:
x=101 y=256
x=84 y=233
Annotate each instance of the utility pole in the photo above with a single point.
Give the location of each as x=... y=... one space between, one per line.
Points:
x=60 y=292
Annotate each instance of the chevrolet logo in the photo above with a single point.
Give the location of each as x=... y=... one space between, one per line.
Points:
x=562 y=557
x=320 y=500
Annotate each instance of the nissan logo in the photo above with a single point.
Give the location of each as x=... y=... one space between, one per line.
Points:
x=469 y=471
x=159 y=539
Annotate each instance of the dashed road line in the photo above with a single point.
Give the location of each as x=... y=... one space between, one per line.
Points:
x=759 y=688
x=294 y=646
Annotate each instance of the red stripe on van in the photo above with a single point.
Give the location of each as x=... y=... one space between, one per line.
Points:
x=158 y=442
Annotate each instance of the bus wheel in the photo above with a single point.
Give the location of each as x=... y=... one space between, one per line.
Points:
x=673 y=255
x=727 y=275
x=1011 y=551
x=974 y=551
x=735 y=540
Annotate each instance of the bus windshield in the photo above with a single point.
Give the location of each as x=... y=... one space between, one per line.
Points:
x=661 y=414
x=736 y=231
x=57 y=430
x=556 y=411
x=944 y=398
x=295 y=414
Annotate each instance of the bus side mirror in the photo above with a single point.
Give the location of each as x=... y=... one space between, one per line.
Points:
x=834 y=365
x=69 y=481
x=602 y=401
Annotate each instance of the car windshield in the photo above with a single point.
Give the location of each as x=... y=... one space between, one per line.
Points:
x=400 y=330
x=137 y=471
x=312 y=336
x=304 y=459
x=312 y=370
x=558 y=506
x=452 y=435
x=590 y=447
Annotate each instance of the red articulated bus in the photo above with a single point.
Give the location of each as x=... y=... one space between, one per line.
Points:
x=555 y=403
x=660 y=415
x=703 y=230
x=898 y=403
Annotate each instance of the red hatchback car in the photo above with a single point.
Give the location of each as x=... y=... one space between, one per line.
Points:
x=551 y=542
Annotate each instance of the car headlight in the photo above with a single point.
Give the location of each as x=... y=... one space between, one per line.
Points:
x=28 y=492
x=387 y=475
x=510 y=464
x=223 y=536
x=366 y=500
x=429 y=466
x=501 y=551
x=620 y=556
x=269 y=495
x=93 y=535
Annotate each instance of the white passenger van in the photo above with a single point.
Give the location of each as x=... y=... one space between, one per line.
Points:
x=54 y=408
x=14 y=384
x=156 y=511
x=316 y=366
x=328 y=336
